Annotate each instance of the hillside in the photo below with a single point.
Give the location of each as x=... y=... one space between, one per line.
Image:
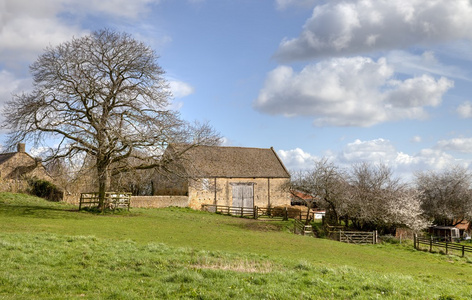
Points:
x=180 y=253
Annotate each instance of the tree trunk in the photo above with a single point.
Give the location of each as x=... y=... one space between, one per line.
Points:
x=102 y=184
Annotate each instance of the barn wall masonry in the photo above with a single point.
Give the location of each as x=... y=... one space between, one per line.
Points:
x=267 y=191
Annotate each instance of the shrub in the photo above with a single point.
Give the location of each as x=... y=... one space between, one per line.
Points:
x=44 y=189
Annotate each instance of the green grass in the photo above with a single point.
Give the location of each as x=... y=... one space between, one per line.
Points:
x=50 y=250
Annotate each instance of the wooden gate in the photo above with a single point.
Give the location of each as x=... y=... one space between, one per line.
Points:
x=358 y=237
x=243 y=195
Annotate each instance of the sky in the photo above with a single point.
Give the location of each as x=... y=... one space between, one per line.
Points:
x=381 y=81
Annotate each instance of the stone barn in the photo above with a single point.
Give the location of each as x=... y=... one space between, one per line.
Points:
x=15 y=167
x=232 y=176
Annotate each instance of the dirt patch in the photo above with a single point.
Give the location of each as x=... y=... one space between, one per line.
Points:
x=263 y=226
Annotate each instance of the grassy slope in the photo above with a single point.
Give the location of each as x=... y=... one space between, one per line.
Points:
x=292 y=259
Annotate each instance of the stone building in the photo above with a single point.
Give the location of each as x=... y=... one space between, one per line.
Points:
x=232 y=176
x=15 y=167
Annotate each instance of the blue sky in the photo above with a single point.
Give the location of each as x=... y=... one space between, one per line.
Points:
x=372 y=80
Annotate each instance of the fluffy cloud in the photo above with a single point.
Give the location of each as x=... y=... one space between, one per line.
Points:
x=10 y=85
x=27 y=27
x=297 y=159
x=349 y=92
x=351 y=27
x=465 y=110
x=463 y=145
x=377 y=151
x=180 y=89
x=383 y=151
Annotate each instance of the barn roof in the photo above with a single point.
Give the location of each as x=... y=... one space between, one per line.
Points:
x=217 y=161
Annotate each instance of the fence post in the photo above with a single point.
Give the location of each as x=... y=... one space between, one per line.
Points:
x=285 y=214
x=431 y=245
x=242 y=211
x=255 y=212
x=463 y=250
x=446 y=247
x=414 y=241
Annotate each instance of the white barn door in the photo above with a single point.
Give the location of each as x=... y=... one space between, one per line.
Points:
x=243 y=195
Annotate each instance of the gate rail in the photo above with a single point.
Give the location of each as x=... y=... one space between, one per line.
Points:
x=113 y=200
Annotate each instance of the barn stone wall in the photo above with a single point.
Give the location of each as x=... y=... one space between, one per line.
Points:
x=267 y=191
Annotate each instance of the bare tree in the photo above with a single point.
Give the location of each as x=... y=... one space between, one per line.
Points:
x=103 y=95
x=327 y=183
x=446 y=196
x=373 y=188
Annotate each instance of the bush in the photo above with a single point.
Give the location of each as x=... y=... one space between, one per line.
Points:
x=44 y=189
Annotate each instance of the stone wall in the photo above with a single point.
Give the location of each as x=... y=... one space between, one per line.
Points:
x=142 y=201
x=159 y=201
x=267 y=191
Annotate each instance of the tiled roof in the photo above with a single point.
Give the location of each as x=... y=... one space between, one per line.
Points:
x=216 y=161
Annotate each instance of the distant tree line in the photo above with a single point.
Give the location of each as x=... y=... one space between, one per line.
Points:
x=368 y=196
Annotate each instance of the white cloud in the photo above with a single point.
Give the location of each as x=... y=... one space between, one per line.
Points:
x=465 y=110
x=416 y=139
x=427 y=62
x=39 y=151
x=351 y=27
x=296 y=159
x=383 y=151
x=27 y=27
x=349 y=92
x=377 y=151
x=463 y=145
x=10 y=85
x=180 y=89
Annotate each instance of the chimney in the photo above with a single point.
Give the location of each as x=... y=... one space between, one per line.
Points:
x=22 y=147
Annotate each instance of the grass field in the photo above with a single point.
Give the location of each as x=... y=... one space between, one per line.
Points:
x=50 y=250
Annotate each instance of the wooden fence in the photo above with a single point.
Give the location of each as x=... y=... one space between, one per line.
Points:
x=230 y=210
x=112 y=200
x=358 y=237
x=447 y=246
x=299 y=227
x=282 y=213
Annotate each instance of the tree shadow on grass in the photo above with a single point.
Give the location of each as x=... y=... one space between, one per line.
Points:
x=38 y=211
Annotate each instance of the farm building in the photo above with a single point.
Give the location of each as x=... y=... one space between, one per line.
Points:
x=15 y=167
x=232 y=176
x=301 y=198
x=448 y=233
